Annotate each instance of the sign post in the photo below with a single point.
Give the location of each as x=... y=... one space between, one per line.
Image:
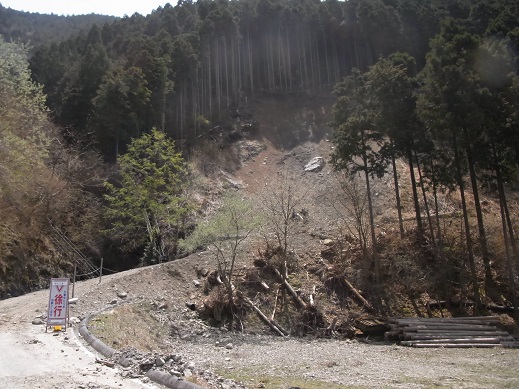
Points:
x=58 y=303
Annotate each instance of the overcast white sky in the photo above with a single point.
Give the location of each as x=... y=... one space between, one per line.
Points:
x=81 y=7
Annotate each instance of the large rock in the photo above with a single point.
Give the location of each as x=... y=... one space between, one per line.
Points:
x=316 y=164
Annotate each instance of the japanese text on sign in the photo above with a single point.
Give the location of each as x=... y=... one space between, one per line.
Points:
x=58 y=302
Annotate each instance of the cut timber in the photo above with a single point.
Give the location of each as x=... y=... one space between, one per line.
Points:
x=357 y=294
x=271 y=323
x=429 y=335
x=461 y=320
x=466 y=335
x=453 y=341
x=450 y=327
x=448 y=332
x=456 y=345
x=438 y=324
x=298 y=300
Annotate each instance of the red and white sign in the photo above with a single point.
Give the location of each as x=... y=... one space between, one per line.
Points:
x=58 y=302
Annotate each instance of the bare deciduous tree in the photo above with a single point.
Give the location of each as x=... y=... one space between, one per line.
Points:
x=351 y=205
x=226 y=232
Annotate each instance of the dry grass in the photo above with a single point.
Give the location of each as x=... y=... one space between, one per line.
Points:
x=276 y=382
x=135 y=325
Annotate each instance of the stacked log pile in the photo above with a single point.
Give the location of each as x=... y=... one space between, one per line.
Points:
x=460 y=332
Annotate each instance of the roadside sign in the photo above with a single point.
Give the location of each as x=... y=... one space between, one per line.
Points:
x=58 y=302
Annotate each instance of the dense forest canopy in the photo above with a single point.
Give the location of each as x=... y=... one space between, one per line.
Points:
x=38 y=29
x=194 y=65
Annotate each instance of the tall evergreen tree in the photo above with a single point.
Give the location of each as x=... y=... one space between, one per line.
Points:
x=357 y=140
x=447 y=105
x=147 y=209
x=120 y=110
x=393 y=86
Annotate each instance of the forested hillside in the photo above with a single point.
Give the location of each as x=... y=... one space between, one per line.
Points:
x=43 y=185
x=188 y=67
x=37 y=29
x=96 y=137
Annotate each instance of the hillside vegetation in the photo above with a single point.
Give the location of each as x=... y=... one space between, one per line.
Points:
x=120 y=141
x=38 y=29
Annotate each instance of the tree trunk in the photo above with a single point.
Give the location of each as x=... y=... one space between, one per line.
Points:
x=288 y=60
x=372 y=223
x=477 y=204
x=509 y=263
x=470 y=253
x=225 y=53
x=426 y=204
x=397 y=195
x=418 y=214
x=506 y=235
x=210 y=83
x=249 y=54
x=443 y=262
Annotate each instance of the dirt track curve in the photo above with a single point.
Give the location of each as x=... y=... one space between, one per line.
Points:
x=31 y=358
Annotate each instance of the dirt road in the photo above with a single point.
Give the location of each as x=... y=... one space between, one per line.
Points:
x=31 y=358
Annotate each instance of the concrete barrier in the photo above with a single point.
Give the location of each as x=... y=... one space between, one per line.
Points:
x=170 y=381
x=157 y=376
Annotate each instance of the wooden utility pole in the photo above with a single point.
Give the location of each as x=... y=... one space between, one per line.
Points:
x=74 y=279
x=101 y=270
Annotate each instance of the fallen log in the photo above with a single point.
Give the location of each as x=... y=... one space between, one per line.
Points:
x=271 y=323
x=298 y=300
x=421 y=335
x=451 y=340
x=456 y=345
x=487 y=317
x=391 y=334
x=422 y=325
x=357 y=293
x=285 y=332
x=449 y=327
x=464 y=320
x=502 y=335
x=443 y=321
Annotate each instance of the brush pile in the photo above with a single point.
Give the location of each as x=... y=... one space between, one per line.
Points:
x=462 y=332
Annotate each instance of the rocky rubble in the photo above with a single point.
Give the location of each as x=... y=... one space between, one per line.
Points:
x=137 y=363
